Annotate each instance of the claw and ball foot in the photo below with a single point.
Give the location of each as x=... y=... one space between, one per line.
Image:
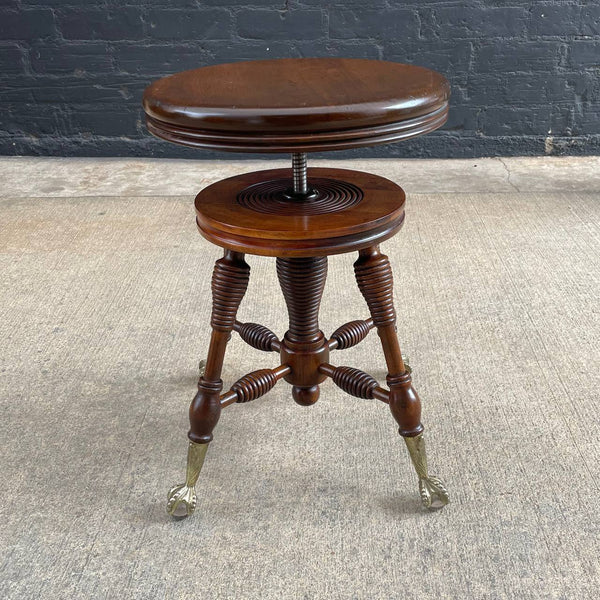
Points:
x=181 y=499
x=432 y=490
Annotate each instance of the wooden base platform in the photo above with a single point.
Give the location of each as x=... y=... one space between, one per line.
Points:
x=256 y=213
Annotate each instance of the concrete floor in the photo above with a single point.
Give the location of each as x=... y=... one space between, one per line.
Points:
x=104 y=305
x=55 y=177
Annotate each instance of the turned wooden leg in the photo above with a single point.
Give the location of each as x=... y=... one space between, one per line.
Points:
x=229 y=283
x=375 y=281
x=303 y=347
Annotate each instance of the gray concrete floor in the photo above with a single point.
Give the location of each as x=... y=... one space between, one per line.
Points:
x=55 y=177
x=104 y=305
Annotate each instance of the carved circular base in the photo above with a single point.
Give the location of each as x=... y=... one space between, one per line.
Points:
x=253 y=214
x=272 y=198
x=305 y=396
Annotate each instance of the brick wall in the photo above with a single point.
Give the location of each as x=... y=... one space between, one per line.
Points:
x=525 y=75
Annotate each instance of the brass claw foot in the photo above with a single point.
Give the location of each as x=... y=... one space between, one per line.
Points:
x=433 y=491
x=181 y=499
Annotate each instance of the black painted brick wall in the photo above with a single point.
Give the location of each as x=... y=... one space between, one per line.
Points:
x=525 y=75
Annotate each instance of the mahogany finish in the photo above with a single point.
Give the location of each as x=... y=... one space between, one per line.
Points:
x=253 y=385
x=258 y=336
x=350 y=334
x=294 y=228
x=296 y=105
x=304 y=347
x=300 y=216
x=355 y=382
x=229 y=283
x=375 y=281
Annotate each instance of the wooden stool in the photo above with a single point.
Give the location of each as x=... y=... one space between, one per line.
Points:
x=300 y=216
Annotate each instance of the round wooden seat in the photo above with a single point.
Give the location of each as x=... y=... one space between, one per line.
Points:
x=348 y=210
x=296 y=105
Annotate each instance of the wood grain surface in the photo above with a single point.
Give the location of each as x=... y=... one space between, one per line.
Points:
x=223 y=220
x=292 y=105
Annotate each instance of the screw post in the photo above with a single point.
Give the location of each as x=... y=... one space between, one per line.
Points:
x=299 y=167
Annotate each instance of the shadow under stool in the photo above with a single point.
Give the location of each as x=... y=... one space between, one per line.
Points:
x=300 y=216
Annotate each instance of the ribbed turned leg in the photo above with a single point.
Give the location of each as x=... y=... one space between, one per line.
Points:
x=303 y=347
x=375 y=281
x=229 y=283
